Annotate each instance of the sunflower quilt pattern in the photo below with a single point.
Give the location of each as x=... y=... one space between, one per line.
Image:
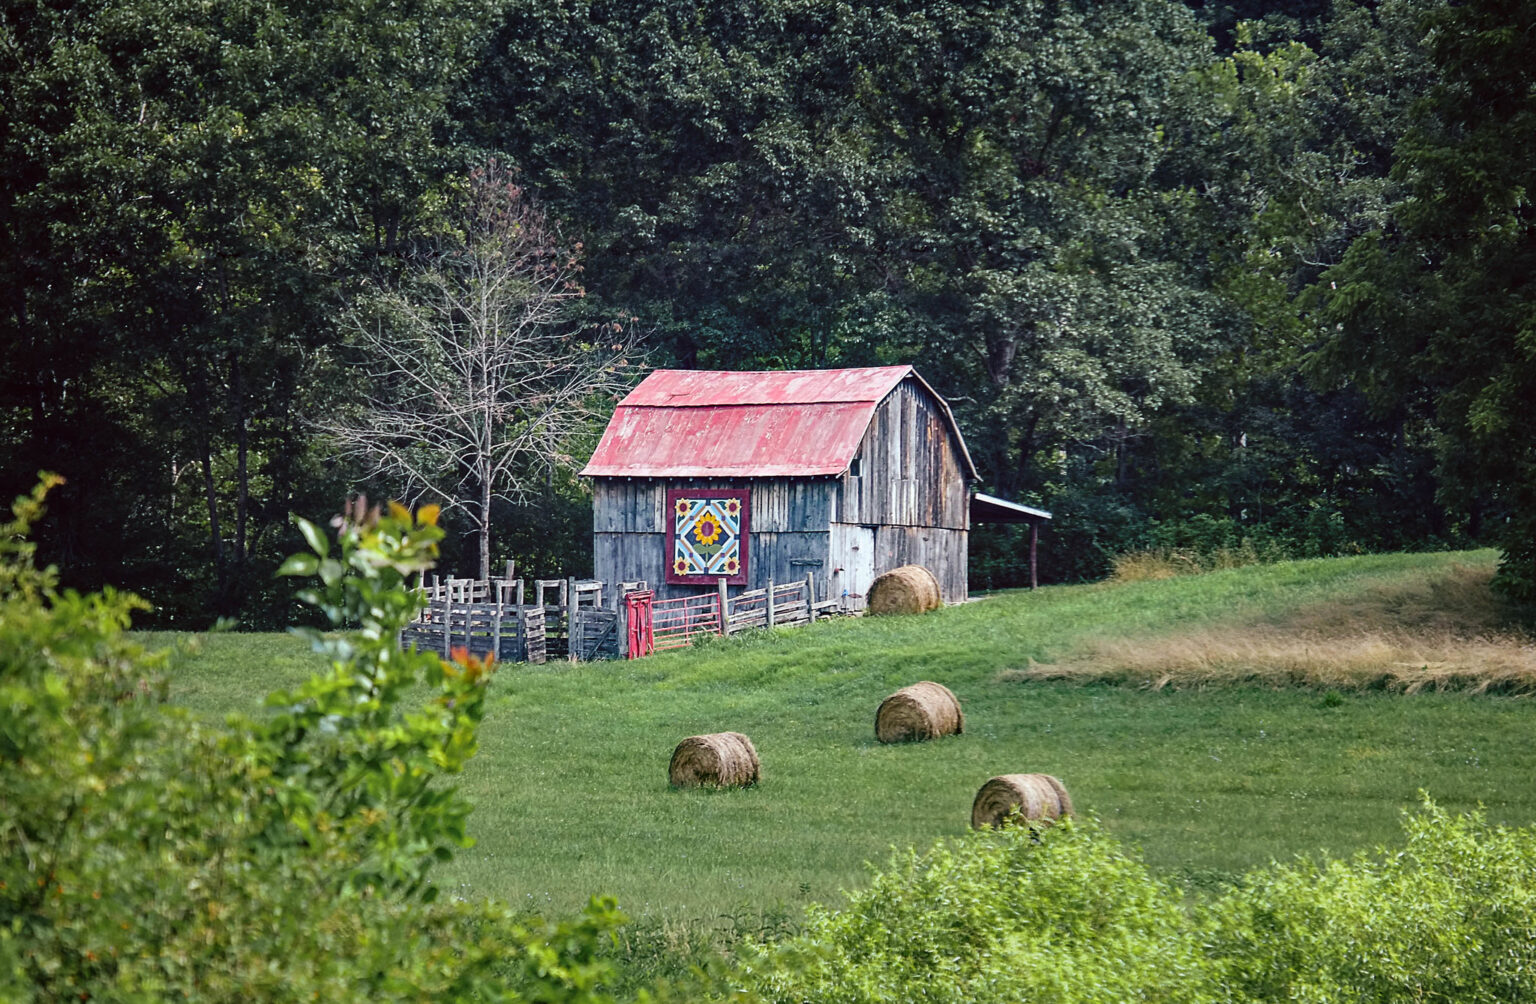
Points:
x=708 y=537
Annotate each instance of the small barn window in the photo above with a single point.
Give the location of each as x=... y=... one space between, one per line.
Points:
x=855 y=467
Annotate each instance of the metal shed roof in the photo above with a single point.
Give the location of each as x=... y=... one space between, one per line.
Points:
x=784 y=423
x=991 y=509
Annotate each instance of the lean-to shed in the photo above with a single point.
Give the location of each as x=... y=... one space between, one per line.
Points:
x=757 y=476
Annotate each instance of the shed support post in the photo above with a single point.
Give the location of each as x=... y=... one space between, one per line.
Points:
x=1034 y=547
x=725 y=605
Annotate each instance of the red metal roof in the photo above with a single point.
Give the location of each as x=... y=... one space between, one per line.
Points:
x=701 y=423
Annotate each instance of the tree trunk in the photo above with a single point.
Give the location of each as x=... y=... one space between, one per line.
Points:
x=242 y=477
x=215 y=532
x=1023 y=476
x=485 y=529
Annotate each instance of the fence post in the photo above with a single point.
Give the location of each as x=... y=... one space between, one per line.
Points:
x=572 y=636
x=725 y=605
x=810 y=597
x=770 y=603
x=620 y=621
x=496 y=623
x=467 y=594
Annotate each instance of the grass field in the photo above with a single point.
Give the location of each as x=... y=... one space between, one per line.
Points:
x=1210 y=772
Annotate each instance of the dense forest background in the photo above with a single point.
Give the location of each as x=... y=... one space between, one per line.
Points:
x=1252 y=277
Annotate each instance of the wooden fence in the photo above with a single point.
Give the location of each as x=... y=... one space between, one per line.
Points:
x=568 y=618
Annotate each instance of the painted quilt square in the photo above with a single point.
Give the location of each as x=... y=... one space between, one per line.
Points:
x=708 y=533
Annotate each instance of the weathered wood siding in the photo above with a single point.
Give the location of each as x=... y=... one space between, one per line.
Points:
x=910 y=472
x=911 y=490
x=787 y=539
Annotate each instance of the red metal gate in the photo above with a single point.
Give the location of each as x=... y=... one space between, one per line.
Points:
x=674 y=622
x=642 y=637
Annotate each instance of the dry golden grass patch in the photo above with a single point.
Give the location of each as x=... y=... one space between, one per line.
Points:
x=1446 y=632
x=1171 y=562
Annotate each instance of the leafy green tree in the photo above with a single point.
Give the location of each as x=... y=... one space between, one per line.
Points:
x=971 y=187
x=1289 y=147
x=185 y=185
x=1436 y=306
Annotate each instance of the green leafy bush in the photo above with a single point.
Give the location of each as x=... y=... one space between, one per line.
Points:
x=1449 y=917
x=145 y=856
x=998 y=917
x=1072 y=918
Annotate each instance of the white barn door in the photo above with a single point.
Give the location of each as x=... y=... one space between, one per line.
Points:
x=852 y=554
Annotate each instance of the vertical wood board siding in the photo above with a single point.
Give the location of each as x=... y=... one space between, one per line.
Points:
x=781 y=557
x=910 y=472
x=777 y=505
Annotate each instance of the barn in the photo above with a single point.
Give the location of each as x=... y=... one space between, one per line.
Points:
x=751 y=477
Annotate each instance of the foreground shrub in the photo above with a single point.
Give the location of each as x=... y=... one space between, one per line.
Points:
x=1449 y=917
x=145 y=856
x=998 y=916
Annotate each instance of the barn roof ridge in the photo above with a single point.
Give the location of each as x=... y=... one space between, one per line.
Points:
x=750 y=423
x=678 y=388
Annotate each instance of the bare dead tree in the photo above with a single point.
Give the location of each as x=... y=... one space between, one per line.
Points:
x=477 y=384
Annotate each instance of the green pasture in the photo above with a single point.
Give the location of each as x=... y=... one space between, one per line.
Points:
x=571 y=787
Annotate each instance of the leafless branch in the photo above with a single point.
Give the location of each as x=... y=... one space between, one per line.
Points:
x=476 y=384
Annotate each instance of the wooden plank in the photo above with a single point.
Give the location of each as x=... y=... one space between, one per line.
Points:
x=722 y=600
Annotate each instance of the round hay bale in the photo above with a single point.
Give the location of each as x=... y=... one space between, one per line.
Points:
x=924 y=710
x=1036 y=796
x=910 y=589
x=718 y=760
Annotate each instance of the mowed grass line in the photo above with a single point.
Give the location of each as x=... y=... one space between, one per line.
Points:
x=570 y=784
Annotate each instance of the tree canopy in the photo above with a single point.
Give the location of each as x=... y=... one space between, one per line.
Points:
x=1168 y=262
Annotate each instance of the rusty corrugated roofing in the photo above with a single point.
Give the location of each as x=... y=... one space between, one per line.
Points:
x=785 y=423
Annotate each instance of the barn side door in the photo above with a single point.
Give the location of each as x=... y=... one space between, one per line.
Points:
x=852 y=557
